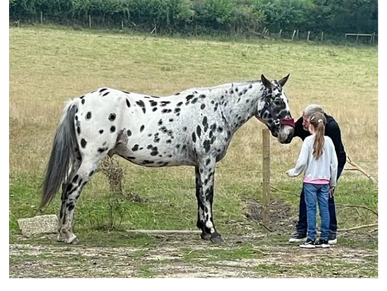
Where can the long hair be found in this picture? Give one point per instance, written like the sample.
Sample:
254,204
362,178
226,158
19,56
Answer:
318,121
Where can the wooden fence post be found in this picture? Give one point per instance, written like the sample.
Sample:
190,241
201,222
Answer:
322,35
294,33
279,34
307,38
265,175
41,17
89,21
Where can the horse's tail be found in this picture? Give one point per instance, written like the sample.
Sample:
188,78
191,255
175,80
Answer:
61,154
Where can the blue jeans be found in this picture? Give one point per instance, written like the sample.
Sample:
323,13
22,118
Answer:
302,221
317,193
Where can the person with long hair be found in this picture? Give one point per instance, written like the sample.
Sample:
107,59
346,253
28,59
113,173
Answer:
318,161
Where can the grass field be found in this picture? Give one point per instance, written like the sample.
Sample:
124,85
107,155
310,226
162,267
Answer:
48,66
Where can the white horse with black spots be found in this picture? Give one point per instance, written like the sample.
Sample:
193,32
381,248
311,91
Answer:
191,128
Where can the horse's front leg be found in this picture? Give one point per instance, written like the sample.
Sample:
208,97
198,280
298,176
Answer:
205,174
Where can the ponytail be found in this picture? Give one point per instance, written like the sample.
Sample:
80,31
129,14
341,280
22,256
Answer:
318,121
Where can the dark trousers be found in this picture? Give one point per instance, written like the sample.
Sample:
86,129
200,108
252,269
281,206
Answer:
302,224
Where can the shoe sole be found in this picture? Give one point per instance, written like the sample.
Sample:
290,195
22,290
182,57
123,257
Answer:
307,246
296,240
322,246
332,242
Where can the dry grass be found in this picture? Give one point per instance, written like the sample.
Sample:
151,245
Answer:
48,66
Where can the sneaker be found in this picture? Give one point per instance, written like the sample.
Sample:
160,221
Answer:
332,240
322,243
298,237
309,244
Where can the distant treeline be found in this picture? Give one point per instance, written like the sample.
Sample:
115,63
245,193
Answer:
200,17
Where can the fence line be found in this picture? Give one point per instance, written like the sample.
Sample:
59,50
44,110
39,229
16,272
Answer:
370,35
264,34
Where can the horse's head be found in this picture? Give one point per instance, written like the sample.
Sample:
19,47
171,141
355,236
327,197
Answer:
274,111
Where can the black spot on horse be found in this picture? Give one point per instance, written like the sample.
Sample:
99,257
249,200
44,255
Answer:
160,122
166,110
169,141
199,131
128,132
135,148
154,109
88,115
208,161
83,143
194,100
205,123
105,94
184,128
189,97
70,206
101,131
127,103
101,150
83,101
142,105
193,137
220,129
152,103
202,96
103,89
147,162
126,92
112,116
178,146
75,179
171,120
164,103
177,110
154,151
142,128
206,145
112,129
202,106
78,130
91,173
179,104
163,129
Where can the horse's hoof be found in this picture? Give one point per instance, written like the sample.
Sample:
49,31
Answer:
72,240
61,238
205,236
75,241
216,238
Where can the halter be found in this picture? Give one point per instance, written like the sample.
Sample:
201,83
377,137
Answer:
276,122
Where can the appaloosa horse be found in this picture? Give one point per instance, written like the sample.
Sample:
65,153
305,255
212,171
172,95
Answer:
192,128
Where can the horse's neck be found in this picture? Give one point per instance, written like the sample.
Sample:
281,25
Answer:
242,104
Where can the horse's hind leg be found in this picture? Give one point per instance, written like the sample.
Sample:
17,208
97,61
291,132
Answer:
76,163
70,196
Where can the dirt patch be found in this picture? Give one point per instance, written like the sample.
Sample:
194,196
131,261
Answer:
246,253
188,258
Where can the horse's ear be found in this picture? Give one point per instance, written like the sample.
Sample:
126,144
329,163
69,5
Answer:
266,82
283,81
